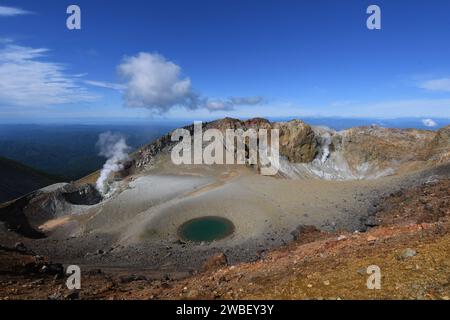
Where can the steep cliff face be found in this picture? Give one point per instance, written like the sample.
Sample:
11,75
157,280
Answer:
370,152
298,142
383,147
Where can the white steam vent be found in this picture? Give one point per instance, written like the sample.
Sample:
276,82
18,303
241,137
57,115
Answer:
114,147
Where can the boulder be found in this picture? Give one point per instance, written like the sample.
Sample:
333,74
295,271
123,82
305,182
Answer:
408,253
215,262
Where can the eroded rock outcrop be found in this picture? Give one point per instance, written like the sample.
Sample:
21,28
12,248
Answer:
298,141
384,147
440,145
356,153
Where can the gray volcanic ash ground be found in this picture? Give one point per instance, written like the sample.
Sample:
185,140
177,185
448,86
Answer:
332,180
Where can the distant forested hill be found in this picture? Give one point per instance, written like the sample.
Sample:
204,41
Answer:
17,179
69,151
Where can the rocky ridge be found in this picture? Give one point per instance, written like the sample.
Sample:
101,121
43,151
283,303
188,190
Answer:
308,151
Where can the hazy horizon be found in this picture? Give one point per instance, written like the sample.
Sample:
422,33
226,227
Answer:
332,122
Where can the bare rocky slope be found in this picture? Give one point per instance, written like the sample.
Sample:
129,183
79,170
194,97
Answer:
359,152
334,193
411,246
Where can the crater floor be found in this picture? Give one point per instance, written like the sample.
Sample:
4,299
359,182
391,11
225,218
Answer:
138,226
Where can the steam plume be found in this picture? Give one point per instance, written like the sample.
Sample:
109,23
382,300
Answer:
114,148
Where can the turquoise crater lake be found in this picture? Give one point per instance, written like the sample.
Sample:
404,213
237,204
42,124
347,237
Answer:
206,229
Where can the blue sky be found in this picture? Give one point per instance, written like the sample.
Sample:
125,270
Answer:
208,59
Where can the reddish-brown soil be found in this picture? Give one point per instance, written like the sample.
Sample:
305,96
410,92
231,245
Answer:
317,266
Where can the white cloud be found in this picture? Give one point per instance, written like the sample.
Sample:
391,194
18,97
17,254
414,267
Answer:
429,122
5,40
12,11
155,83
442,85
107,85
218,105
229,104
27,80
246,101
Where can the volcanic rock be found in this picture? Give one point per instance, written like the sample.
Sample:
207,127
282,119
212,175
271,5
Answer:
86,194
440,146
297,141
408,253
214,262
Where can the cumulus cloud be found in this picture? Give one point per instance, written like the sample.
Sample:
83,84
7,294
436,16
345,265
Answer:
12,11
429,123
153,82
26,79
442,85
